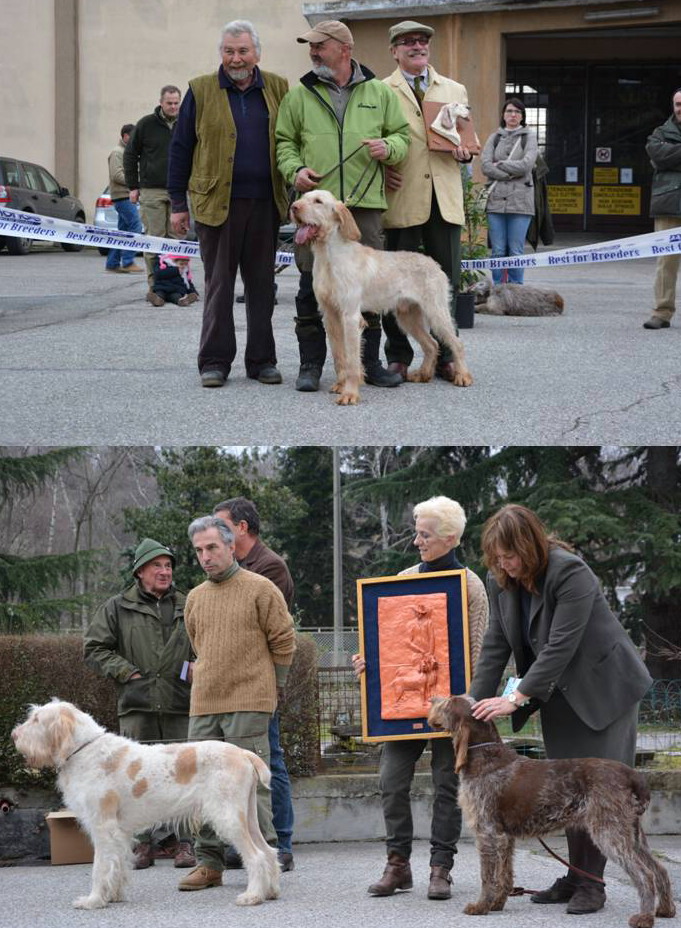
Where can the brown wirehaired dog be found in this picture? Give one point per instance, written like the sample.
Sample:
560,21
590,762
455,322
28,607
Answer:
350,278
516,300
505,796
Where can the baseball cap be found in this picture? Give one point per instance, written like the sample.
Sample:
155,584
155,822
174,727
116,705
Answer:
329,29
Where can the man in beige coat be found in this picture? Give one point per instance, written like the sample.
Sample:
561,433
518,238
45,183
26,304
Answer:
425,195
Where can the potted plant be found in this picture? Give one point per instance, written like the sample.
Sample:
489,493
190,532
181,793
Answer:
473,245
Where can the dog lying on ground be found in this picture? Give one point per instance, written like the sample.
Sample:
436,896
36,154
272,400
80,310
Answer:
505,796
350,278
516,300
116,787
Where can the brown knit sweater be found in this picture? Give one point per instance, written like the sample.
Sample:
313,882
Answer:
239,629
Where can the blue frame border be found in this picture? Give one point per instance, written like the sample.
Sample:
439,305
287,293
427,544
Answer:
451,582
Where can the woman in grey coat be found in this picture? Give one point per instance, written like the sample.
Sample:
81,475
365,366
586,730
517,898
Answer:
575,663
507,161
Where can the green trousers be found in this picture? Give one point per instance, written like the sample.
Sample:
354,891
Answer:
153,727
247,730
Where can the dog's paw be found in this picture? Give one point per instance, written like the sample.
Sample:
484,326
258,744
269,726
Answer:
476,908
666,911
642,920
462,379
249,899
89,902
348,399
419,376
338,387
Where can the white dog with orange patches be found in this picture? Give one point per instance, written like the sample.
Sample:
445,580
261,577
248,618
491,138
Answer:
116,787
349,278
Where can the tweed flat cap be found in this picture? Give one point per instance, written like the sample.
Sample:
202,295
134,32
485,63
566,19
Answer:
408,25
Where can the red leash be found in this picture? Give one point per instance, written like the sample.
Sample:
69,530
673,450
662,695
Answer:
519,891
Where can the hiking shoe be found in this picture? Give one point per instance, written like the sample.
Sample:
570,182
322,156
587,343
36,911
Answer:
200,878
187,299
155,299
588,897
655,322
378,376
131,269
286,863
143,857
562,891
213,379
269,374
185,855
308,378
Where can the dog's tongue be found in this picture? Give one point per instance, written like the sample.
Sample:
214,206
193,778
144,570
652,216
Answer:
304,234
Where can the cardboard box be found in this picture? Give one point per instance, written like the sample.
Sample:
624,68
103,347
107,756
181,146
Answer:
68,843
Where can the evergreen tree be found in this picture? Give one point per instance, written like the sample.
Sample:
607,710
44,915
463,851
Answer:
191,481
31,588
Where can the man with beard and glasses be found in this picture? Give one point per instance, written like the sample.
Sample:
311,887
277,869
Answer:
425,193
222,160
339,111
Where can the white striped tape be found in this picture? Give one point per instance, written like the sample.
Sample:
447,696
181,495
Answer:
43,228
30,225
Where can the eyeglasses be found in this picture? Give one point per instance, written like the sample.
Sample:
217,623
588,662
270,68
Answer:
416,40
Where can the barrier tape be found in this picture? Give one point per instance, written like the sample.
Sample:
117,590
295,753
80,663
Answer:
30,225
17,224
648,245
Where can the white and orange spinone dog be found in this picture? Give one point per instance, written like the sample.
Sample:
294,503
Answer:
116,787
349,278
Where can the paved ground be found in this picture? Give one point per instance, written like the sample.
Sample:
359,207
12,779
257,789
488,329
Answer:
328,887
84,360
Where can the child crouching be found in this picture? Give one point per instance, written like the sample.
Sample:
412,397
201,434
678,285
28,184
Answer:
172,282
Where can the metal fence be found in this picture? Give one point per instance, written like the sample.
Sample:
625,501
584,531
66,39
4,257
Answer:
340,724
334,652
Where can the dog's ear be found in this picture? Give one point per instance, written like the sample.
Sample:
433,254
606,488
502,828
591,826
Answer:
461,744
61,731
348,226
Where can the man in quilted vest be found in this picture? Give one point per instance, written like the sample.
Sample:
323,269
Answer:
222,164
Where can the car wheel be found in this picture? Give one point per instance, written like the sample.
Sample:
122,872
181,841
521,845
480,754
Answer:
72,247
19,246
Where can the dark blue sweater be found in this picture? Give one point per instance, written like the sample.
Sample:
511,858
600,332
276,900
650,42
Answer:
252,176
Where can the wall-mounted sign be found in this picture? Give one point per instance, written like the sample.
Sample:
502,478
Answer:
571,175
606,176
603,155
616,201
626,175
566,200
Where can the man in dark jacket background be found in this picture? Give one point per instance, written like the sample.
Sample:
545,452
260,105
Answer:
145,162
138,639
664,150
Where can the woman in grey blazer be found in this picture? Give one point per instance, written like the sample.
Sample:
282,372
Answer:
575,664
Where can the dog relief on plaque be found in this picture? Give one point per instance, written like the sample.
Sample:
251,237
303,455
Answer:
413,642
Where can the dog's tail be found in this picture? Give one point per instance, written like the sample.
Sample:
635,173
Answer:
560,302
641,792
261,769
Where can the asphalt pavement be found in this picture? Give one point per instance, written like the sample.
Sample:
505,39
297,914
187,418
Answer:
327,887
85,360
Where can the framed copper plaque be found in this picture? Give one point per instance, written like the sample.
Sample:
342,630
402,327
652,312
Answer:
413,636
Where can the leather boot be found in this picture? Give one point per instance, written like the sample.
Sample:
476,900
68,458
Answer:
143,856
308,378
397,875
589,896
374,372
562,891
312,347
185,855
440,886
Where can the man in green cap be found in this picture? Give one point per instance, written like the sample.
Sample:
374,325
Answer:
138,639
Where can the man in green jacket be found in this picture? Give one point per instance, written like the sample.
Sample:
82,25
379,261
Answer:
664,151
335,131
222,160
138,639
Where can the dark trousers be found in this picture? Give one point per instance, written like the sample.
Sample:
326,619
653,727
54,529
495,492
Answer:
396,773
309,324
245,242
440,240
